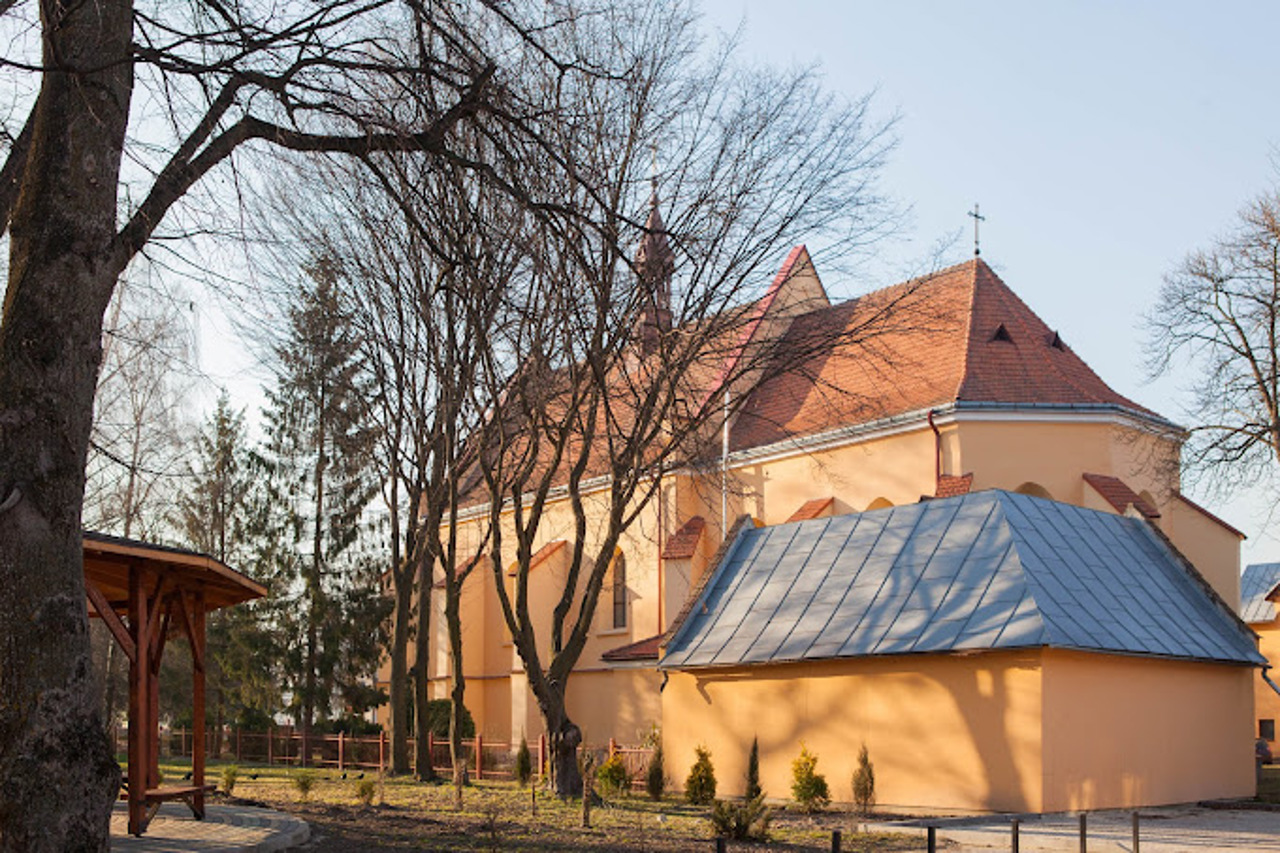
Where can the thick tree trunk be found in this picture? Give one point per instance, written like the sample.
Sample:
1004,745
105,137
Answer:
458,694
563,739
57,774
421,670
400,620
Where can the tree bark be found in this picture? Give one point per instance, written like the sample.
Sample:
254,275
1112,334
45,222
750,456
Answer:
458,694
58,776
400,621
421,670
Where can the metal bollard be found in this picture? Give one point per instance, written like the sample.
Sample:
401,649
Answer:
835,841
1084,843
1135,832
1015,835
932,839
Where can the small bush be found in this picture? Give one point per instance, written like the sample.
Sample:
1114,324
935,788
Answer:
864,783
303,782
700,787
655,779
365,790
753,772
524,763
439,712
747,820
808,786
230,773
613,777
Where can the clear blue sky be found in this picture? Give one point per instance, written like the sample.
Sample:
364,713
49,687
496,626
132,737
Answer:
1102,140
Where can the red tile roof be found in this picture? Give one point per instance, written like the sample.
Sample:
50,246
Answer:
918,345
684,542
1119,495
646,649
1195,506
951,485
811,509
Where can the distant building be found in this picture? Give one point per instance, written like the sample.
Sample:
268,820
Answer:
1259,594
982,396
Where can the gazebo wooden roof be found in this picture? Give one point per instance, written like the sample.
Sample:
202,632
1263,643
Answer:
145,593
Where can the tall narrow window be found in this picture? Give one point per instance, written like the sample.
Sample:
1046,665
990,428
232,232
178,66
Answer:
1267,729
620,591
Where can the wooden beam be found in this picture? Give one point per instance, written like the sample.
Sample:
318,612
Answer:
161,637
139,704
189,622
197,704
111,619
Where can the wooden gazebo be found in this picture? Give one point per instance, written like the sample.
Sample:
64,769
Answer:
146,593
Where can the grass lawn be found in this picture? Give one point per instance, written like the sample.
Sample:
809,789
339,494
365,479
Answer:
408,815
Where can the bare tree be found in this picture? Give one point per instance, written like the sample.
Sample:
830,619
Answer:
1219,311
605,374
291,75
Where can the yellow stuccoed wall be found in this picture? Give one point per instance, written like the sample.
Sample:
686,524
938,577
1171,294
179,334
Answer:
1266,701
1123,731
943,732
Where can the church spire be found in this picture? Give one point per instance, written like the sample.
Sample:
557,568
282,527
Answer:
655,263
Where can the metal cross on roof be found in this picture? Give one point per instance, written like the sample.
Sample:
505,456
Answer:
977,218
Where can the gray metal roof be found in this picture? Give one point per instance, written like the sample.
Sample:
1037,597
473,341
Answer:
1255,584
987,570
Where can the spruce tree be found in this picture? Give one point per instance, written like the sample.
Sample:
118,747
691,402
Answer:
753,771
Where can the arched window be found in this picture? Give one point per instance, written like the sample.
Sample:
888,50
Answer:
619,590
1035,490
880,503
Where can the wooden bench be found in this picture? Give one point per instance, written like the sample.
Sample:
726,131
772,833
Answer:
192,795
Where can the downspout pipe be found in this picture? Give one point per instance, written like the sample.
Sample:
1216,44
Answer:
937,452
1267,679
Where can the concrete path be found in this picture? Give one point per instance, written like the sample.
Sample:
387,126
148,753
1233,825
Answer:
225,829
1173,829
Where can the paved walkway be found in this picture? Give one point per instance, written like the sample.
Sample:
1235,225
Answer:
225,829
1173,829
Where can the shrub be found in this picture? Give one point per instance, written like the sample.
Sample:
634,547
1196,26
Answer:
753,772
613,776
808,786
365,789
747,820
864,783
524,763
230,773
438,713
655,779
303,782
700,787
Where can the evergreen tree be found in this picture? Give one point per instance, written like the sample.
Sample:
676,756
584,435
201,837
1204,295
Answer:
318,460
753,771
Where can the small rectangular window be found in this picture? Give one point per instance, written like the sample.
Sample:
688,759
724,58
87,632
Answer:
619,591
1267,729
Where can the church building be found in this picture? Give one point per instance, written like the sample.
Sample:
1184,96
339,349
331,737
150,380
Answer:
954,543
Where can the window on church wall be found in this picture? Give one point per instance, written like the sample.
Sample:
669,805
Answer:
1035,490
1267,729
620,591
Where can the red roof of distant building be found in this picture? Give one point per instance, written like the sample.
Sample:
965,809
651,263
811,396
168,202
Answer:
811,509
1119,495
684,542
646,649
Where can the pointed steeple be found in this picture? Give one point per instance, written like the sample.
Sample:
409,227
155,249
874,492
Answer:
655,263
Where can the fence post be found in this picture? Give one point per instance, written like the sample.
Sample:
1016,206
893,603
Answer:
613,747
1084,834
341,750
271,745
1135,832
1015,835
479,756
382,749
238,744
431,750
931,839
542,755
835,841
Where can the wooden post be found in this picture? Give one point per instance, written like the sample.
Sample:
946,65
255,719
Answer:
382,750
1084,834
613,747
931,839
341,757
139,704
721,845
431,749
1016,842
197,627
479,756
542,755
238,758
1135,832
835,841
271,745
